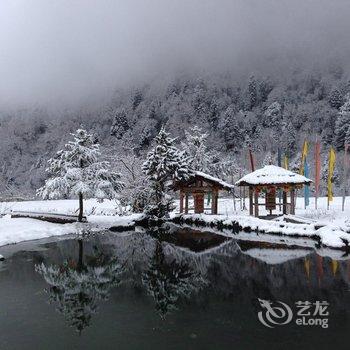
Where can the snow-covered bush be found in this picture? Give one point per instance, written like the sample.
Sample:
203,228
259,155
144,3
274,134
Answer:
136,193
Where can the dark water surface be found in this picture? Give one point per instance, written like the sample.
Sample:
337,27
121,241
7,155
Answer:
166,290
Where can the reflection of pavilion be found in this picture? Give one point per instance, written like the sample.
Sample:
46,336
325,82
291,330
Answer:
77,287
276,256
197,241
196,248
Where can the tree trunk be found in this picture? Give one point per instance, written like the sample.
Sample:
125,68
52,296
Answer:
81,208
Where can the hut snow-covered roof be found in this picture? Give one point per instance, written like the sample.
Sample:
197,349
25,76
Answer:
272,175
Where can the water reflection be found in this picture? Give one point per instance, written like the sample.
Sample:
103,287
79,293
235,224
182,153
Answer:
169,281
172,279
76,287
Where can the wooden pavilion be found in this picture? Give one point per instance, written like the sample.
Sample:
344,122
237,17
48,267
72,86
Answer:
270,180
197,186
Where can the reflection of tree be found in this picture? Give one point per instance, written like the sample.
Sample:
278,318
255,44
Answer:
168,282
77,288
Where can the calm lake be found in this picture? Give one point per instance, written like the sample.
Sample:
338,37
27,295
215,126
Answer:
173,288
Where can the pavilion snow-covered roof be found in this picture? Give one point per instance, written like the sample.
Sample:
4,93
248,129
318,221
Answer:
208,178
214,179
272,175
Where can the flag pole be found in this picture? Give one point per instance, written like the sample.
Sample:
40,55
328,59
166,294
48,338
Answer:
345,174
331,164
251,159
302,164
279,163
306,187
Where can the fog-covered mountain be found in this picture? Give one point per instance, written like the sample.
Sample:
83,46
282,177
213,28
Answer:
264,74
264,112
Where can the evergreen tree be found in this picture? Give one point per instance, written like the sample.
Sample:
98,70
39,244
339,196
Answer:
264,88
164,164
335,98
120,124
77,171
231,129
273,114
195,147
342,125
251,93
289,139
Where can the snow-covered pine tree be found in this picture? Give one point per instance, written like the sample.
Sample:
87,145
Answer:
268,159
342,125
195,147
120,124
289,139
273,114
77,171
164,165
251,94
232,128
336,98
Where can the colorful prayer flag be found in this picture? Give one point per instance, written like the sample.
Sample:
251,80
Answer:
303,157
285,161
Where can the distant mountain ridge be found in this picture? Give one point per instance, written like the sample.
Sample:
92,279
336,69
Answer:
265,113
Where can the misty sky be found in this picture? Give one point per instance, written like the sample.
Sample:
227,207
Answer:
66,51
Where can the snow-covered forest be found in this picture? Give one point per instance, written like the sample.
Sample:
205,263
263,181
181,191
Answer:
263,111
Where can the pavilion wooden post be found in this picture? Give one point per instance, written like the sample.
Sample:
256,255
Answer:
181,201
256,204
292,201
284,202
214,202
250,201
186,203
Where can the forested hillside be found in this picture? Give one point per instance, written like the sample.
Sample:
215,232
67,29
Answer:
255,110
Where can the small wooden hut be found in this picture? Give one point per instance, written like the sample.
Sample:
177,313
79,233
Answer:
270,180
197,186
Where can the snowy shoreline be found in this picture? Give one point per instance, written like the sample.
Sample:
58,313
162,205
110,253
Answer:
332,236
335,232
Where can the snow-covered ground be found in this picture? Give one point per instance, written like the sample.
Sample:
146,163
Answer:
333,215
19,230
67,206
100,216
103,215
336,222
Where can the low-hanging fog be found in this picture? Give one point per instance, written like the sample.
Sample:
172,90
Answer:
264,74
67,52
